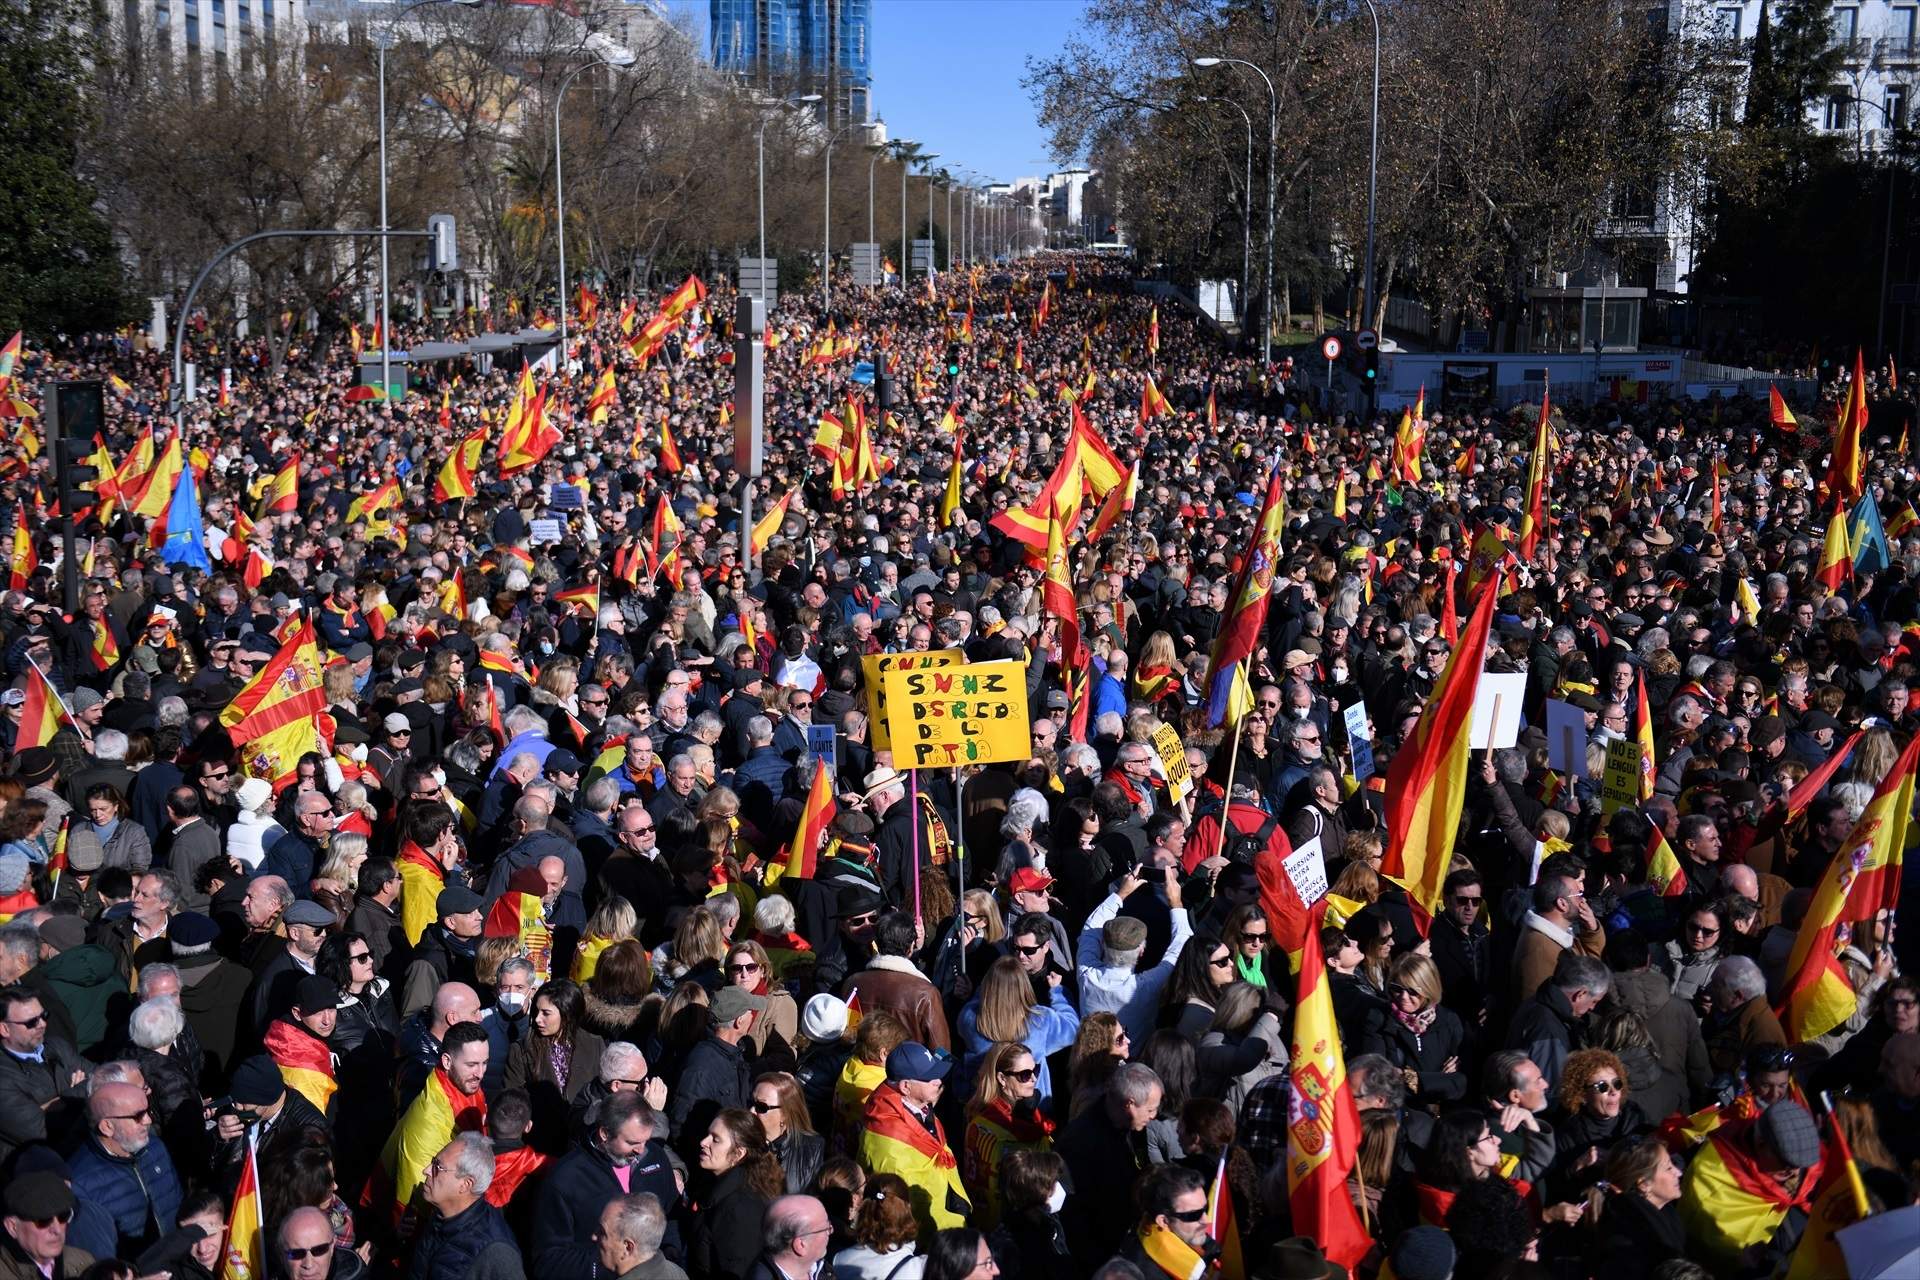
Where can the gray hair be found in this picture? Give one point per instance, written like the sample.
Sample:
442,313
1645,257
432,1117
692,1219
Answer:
1511,764
109,745
171,710
1108,724
150,976
620,1058
531,811
773,914
517,964
1741,976
523,720
1855,796
544,790
22,941
1133,1082
725,908
786,1219
1380,1080
1575,971
1082,757
639,1218
473,1159
118,1072
155,1024
759,731
1027,810
601,796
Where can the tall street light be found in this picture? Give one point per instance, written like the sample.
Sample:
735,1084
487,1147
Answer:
1273,148
826,242
900,154
382,42
760,158
614,59
1246,208
950,222
874,152
928,160
1373,172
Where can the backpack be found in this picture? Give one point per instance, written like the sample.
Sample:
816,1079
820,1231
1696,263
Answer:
1245,846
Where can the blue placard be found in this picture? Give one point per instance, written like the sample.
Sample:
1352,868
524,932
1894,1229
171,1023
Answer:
823,741
566,497
863,372
1356,717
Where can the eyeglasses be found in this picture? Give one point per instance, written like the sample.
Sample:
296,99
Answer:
399,733
749,967
1221,962
1315,738
762,1108
1033,950
211,776
1025,1075
1703,930
865,917
143,1115
38,1019
1257,939
798,705
311,1251
1395,990
1468,900
63,1217
1189,1215
358,956
1605,1086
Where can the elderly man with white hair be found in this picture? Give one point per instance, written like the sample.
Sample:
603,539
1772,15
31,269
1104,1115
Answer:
464,1237
1738,1018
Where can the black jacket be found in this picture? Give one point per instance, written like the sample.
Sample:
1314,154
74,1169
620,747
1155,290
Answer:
714,1077
1426,1053
800,1156
1030,1246
1104,1161
578,1187
724,1241
1465,961
1635,1237
1545,1028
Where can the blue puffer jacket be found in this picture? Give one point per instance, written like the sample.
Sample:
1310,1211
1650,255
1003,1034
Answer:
141,1192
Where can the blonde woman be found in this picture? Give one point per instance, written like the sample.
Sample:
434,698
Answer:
1005,1010
776,1027
333,888
1002,1116
614,920
1416,1034
1242,1047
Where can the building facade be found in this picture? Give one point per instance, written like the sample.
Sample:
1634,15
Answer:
814,46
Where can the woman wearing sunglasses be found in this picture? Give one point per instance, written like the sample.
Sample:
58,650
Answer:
1003,1116
1597,1117
1416,1034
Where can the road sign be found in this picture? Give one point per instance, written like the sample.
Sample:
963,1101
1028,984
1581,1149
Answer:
760,278
1366,339
865,260
1330,347
920,257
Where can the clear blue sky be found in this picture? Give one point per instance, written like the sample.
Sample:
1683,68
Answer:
946,73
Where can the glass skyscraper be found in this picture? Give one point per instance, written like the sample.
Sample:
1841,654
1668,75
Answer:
811,46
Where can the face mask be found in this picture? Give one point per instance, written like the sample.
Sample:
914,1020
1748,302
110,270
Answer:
1339,675
546,650
1299,713
512,1002
1058,1199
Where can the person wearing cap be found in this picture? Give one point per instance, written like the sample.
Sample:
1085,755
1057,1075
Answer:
393,752
1108,956
716,1075
254,828
39,771
298,1042
307,924
894,839
124,1167
82,976
446,950
901,1135
37,1208
1750,1181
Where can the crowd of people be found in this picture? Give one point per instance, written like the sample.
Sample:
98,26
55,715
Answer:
521,968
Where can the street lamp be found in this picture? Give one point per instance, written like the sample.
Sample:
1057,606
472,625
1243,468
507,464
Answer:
928,160
1246,209
900,154
1273,148
760,153
615,58
874,152
381,43
826,242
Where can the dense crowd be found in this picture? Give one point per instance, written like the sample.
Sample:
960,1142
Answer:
520,969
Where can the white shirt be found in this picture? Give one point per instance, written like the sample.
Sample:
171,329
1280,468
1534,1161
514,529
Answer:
1132,997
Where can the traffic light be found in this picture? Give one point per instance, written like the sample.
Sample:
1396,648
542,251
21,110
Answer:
443,249
1370,366
953,359
73,477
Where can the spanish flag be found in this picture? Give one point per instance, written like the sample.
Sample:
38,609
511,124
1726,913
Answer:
1152,403
103,650
1778,413
1534,519
156,487
605,396
42,714
274,718
1643,734
1809,788
25,559
1840,1200
429,1124
1902,521
828,436
456,478
1228,694
950,501
305,1062
691,291
803,853
1323,1140
1843,471
1729,1202
1094,468
283,494
519,914
1427,781
1748,602
1153,331
768,525
1836,554
1664,872
244,1255
1862,880
895,1141
369,505
586,597
669,452
1057,598
1221,1226
1119,501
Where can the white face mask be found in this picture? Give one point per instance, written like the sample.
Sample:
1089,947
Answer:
512,1002
1058,1199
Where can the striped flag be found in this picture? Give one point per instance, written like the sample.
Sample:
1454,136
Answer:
305,1062
1228,695
1323,1139
244,1256
1862,880
769,524
1843,483
274,717
1152,403
1664,872
24,558
42,714
1836,554
520,915
804,853
1778,413
1808,789
1426,783
283,494
1221,1226
1643,734
1533,521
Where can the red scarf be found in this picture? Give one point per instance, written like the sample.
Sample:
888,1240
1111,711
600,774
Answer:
1031,1128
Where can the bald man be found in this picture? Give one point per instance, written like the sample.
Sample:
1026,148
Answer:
126,1169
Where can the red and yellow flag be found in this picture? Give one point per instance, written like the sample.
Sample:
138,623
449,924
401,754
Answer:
1152,403
104,650
1534,519
369,505
1862,881
244,1255
1427,781
24,559
1808,789
803,853
456,478
274,718
1843,484
1323,1140
1229,694
305,1062
1643,734
605,396
669,452
1778,413
1664,872
678,302
156,492
585,598
1836,554
42,714
283,494
768,525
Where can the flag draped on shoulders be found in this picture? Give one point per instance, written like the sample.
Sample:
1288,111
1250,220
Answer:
439,1112
893,1140
305,1062
1729,1202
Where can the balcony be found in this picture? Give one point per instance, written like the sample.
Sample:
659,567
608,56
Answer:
1902,51
1633,227
1853,49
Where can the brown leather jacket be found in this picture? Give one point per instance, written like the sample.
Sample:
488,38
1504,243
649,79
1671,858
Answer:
894,984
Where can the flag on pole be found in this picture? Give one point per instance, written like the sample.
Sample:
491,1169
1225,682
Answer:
25,559
1778,413
456,478
768,525
1228,697
1664,871
43,712
1862,880
1152,403
803,854
669,452
1534,519
273,717
1323,1136
1843,484
186,542
1871,554
1836,554
283,493
244,1256
1427,781
1643,734
950,502
1221,1226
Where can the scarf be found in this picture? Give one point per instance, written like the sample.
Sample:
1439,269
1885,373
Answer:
1027,1126
1173,1256
1249,972
105,830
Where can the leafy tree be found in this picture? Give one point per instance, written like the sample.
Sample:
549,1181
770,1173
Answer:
59,267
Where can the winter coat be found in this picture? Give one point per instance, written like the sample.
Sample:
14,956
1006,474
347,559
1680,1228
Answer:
714,1077
800,1156
93,991
562,1246
1544,1028
141,1192
250,836
474,1244
725,1239
1426,1052
894,984
1677,1041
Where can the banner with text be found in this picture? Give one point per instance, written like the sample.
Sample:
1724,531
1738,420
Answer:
873,671
944,717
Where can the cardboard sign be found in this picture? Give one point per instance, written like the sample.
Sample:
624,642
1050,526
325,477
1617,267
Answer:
1307,868
1173,759
823,741
975,713
873,670
541,532
1357,741
1502,693
1620,785
1566,739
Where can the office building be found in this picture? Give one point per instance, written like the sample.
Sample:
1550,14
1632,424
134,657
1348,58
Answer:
800,46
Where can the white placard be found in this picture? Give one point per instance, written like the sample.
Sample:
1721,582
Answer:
543,531
1508,690
1308,871
1566,739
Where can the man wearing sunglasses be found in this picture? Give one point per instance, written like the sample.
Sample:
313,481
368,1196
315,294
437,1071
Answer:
1173,1222
38,1207
41,1076
125,1169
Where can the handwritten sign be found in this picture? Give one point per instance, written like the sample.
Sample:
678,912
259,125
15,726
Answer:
975,713
873,670
1307,868
1358,741
1173,759
823,741
1620,785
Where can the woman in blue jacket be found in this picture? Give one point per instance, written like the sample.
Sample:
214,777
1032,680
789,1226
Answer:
1005,1010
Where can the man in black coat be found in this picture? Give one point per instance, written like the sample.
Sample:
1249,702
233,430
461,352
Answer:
716,1074
1461,950
1105,1148
1546,1028
629,1135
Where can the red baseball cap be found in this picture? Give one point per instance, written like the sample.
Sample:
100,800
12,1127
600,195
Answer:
1030,880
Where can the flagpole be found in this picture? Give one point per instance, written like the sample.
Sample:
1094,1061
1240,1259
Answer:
51,688
913,827
1233,764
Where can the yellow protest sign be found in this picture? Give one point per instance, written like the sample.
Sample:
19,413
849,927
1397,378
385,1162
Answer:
975,713
1173,756
873,670
1620,784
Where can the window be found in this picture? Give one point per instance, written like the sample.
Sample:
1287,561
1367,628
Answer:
193,25
245,13
266,16
1901,25
1896,104
1726,25
1846,24
1839,112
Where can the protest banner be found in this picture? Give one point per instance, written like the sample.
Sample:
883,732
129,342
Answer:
1173,759
943,717
873,670
1620,785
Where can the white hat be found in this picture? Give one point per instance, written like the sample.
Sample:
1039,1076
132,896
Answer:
397,723
883,777
253,794
824,1018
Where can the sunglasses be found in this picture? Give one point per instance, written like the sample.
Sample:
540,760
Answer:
357,957
762,1108
1025,1075
63,1217
1034,950
1255,939
1189,1215
1395,990
1605,1086
313,1251
743,968
1222,962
